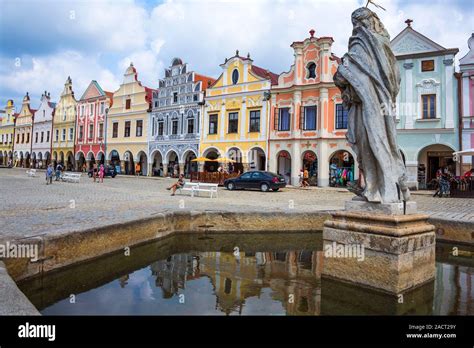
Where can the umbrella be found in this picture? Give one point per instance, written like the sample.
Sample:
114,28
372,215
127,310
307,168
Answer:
203,159
468,152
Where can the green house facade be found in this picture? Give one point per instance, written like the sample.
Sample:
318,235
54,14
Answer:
427,111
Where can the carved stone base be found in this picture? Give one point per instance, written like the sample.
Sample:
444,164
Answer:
398,250
383,208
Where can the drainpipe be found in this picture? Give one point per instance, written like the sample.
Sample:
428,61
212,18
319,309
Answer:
460,114
105,135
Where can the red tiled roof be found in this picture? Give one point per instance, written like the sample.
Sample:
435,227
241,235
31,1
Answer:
206,80
266,74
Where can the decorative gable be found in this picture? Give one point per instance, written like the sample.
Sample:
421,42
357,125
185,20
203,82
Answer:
92,91
410,41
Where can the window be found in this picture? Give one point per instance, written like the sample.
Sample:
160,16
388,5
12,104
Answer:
427,65
42,136
48,134
175,97
115,130
102,108
160,127
309,117
81,132
82,110
284,119
233,126
64,115
195,97
191,126
254,121
246,176
18,138
27,138
128,102
101,130
139,131
91,109
91,131
174,127
71,133
127,129
63,138
235,76
212,124
44,114
311,70
36,137
22,138
429,106
341,116
57,135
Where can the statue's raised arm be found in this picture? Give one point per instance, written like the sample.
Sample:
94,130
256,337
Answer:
369,81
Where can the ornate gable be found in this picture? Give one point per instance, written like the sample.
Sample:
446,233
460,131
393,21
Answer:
410,41
93,91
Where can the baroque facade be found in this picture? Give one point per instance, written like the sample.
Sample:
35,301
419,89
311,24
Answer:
466,88
23,137
91,119
127,124
7,133
427,114
174,130
308,122
64,122
236,115
42,131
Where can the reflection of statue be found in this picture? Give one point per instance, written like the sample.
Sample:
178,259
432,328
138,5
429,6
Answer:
369,81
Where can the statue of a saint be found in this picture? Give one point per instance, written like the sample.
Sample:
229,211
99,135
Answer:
369,81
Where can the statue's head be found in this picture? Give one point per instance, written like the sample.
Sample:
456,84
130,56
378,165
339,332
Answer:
368,19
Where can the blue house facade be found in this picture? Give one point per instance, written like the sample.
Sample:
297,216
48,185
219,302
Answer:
427,106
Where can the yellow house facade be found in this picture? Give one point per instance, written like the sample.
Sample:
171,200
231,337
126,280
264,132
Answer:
64,122
127,125
236,115
7,133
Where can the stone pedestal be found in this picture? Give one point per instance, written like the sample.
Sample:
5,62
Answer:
365,245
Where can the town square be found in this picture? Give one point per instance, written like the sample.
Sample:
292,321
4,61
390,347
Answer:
322,170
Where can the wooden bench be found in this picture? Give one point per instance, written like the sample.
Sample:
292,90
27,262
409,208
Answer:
31,172
205,187
188,186
71,177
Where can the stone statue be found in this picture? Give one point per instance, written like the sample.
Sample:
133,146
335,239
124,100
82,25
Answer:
369,81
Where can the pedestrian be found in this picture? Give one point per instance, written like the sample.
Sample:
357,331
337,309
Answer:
94,172
101,173
49,174
179,184
59,168
175,170
137,169
305,178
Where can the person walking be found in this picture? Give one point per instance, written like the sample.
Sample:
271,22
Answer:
137,169
59,168
179,184
49,174
94,172
305,177
101,173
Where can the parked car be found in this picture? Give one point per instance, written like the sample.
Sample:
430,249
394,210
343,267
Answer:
261,180
108,171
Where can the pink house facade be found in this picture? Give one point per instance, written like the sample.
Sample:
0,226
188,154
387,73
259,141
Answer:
466,86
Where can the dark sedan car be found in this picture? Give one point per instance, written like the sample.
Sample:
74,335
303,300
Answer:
261,180
108,171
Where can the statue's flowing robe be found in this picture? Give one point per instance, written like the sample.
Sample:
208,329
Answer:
369,80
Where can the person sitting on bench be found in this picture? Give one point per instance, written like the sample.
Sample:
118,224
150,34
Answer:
179,184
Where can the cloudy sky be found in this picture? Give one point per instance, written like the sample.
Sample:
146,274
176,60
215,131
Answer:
44,41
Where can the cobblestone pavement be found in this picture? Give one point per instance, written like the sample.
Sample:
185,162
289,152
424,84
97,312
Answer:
30,207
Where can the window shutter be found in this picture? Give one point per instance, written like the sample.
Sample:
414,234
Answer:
275,118
301,117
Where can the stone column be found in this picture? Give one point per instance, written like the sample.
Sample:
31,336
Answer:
165,169
149,169
323,164
181,168
296,163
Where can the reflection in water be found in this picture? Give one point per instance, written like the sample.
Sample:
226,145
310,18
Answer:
269,275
